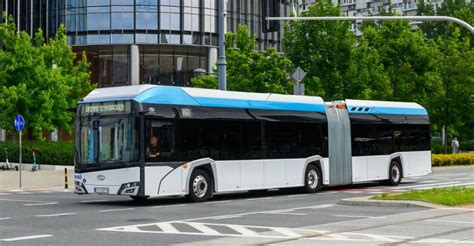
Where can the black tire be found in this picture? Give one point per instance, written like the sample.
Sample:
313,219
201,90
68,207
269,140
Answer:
312,179
200,186
16,168
139,198
394,173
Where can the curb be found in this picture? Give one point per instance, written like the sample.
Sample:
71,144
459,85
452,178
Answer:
367,201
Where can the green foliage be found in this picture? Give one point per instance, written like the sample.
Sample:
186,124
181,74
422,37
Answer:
461,9
251,70
451,196
42,81
55,153
325,50
439,160
389,61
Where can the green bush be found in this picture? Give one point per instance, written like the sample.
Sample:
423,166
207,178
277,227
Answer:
55,153
439,160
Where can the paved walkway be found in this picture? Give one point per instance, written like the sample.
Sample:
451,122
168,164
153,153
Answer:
40,180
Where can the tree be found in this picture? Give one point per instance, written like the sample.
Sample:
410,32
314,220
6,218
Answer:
453,109
461,9
251,70
324,49
42,81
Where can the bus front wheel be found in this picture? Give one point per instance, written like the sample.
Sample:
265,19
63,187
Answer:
394,173
313,179
200,186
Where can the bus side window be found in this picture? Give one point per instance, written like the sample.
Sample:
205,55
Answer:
164,132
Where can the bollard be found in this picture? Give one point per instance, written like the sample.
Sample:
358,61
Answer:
65,179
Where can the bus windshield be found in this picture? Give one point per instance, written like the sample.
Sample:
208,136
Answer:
107,141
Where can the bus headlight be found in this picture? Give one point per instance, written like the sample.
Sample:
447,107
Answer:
129,188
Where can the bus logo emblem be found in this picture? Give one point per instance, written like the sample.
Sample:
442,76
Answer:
100,177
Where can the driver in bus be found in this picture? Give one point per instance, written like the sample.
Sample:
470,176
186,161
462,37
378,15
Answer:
153,149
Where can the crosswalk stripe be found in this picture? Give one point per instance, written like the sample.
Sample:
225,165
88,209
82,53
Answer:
242,230
286,232
167,227
444,186
203,228
423,185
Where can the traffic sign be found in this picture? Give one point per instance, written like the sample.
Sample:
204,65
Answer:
19,122
299,74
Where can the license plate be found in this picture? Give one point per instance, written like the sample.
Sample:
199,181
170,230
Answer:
101,190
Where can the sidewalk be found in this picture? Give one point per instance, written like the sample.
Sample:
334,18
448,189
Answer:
43,179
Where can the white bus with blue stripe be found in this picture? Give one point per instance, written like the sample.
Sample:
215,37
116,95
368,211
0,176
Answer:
150,141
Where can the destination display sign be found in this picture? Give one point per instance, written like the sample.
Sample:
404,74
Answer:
106,108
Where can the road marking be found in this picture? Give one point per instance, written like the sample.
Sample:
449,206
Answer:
444,186
40,204
204,229
242,230
168,206
115,210
301,195
168,228
54,215
88,201
359,216
18,200
5,218
257,199
452,221
25,238
423,185
217,202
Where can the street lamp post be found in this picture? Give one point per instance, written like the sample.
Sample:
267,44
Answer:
222,64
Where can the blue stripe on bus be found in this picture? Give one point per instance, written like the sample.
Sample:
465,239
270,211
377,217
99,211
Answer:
387,110
168,95
253,104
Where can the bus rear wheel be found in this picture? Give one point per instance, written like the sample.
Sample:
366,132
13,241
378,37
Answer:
394,173
313,180
200,186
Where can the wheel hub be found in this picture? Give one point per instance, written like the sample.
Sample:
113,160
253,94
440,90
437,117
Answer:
200,186
313,179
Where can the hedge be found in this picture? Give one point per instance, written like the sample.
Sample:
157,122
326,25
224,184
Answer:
439,160
55,153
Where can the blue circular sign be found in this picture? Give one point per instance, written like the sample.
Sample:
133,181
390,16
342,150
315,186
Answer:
19,122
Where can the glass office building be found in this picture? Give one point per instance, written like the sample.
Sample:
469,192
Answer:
146,41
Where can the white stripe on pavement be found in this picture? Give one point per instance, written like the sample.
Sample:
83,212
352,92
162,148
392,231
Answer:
416,186
242,230
452,221
21,200
115,210
167,227
444,186
54,215
87,201
25,238
257,199
40,204
5,218
359,216
203,228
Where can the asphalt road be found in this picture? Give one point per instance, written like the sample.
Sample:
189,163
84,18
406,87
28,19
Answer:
276,217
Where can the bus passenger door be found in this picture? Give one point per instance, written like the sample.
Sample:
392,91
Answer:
339,143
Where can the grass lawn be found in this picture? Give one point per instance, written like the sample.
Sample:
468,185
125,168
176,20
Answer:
450,196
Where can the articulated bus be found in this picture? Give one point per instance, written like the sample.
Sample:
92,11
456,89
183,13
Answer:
150,141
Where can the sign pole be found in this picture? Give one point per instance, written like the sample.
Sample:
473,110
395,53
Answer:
19,124
20,158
